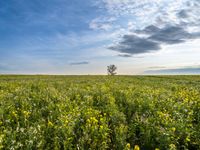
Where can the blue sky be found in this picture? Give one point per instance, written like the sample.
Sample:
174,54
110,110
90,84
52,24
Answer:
84,36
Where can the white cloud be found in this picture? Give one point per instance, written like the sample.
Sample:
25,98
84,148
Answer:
102,23
146,12
134,15
131,25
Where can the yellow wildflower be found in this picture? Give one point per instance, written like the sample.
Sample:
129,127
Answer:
128,145
136,147
173,129
14,114
172,147
50,123
26,113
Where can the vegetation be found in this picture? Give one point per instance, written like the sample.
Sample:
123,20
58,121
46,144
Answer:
111,69
100,112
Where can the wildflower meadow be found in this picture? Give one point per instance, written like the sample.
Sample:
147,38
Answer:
100,112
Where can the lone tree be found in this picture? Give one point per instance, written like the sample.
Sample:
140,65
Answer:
112,70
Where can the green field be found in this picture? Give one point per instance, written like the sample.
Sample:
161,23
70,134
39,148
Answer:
100,112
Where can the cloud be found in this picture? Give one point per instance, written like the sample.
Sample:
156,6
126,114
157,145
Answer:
132,44
102,23
131,25
149,9
174,71
153,23
187,69
79,63
171,35
183,14
136,43
148,30
124,55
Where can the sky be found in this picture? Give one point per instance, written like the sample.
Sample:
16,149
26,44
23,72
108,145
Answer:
85,36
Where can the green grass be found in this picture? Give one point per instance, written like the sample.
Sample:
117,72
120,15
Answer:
100,112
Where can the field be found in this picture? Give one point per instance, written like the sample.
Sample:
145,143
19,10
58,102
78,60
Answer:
100,112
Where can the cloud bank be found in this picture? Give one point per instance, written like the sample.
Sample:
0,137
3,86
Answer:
195,71
152,24
153,40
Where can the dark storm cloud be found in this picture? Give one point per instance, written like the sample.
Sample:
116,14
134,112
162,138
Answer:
154,38
148,30
79,63
171,35
132,44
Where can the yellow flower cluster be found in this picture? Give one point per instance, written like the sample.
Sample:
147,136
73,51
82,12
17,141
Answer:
136,147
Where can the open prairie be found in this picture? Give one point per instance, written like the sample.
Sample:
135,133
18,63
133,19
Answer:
100,112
